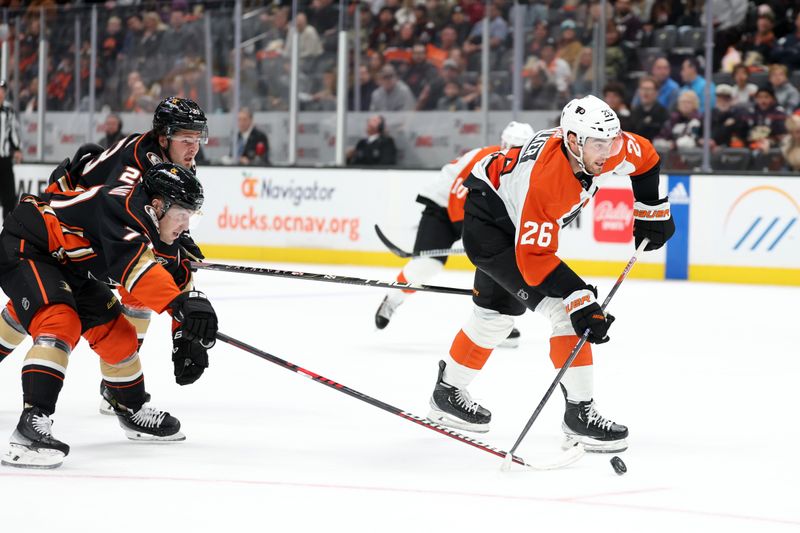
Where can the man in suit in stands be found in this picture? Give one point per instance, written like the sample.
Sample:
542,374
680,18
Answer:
252,146
377,148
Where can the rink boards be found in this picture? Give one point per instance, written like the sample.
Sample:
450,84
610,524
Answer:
743,229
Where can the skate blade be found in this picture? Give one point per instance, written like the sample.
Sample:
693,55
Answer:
443,419
509,343
106,409
593,445
146,437
20,456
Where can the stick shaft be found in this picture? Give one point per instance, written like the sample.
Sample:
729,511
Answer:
399,252
329,278
366,399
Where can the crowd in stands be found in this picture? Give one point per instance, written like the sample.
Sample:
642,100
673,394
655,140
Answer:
421,55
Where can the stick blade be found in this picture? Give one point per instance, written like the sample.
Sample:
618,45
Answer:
507,461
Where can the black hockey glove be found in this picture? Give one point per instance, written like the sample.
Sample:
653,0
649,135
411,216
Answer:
652,220
192,251
197,318
585,313
189,357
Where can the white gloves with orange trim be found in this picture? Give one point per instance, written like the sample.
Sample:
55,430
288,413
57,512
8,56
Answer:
585,313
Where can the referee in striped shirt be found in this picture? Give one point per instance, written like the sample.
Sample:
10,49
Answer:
10,152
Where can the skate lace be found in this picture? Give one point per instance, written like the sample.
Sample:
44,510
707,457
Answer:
465,400
594,418
42,424
149,417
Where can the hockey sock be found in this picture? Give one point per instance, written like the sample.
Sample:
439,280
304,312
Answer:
125,380
579,377
419,270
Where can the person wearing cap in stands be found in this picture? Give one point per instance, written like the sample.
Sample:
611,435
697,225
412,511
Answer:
728,128
10,151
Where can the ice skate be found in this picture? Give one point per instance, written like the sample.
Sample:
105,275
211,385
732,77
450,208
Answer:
146,424
387,308
105,407
582,423
455,408
32,444
512,341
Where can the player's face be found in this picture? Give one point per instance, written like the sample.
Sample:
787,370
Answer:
175,221
183,147
597,151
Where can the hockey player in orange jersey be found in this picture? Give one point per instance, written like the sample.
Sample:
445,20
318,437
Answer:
441,222
518,201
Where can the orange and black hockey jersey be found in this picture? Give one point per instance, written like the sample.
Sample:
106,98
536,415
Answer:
104,233
542,194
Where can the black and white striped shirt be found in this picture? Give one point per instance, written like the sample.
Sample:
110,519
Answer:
9,130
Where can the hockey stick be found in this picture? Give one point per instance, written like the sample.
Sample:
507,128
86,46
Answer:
396,250
330,278
381,405
507,461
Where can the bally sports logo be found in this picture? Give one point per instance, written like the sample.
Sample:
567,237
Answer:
613,215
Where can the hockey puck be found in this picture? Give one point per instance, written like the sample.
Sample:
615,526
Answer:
618,465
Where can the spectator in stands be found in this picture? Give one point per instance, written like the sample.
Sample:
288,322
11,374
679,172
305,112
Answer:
614,96
148,49
627,23
787,94
439,12
252,145
553,69
787,48
323,16
405,38
668,89
133,34
405,15
728,127
498,29
540,36
693,81
472,95
685,126
767,122
451,99
540,92
377,148
419,72
583,73
648,116
763,40
180,37
113,131
743,90
435,90
790,145
392,94
383,33
324,98
309,44
616,61
448,39
664,13
569,47
368,85
460,22
424,27
473,9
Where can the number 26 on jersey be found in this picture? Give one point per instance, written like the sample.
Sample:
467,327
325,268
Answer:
535,233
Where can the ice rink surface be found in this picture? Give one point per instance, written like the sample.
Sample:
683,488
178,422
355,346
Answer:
705,376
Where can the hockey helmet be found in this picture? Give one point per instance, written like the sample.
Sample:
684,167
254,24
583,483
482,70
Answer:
175,113
175,185
591,118
515,134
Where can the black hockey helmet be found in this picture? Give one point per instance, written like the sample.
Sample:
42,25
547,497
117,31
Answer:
175,185
175,113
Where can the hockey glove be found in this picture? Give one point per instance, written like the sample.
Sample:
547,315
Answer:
189,357
197,318
652,220
585,313
190,248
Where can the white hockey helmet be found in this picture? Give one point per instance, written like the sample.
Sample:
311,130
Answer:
515,134
591,118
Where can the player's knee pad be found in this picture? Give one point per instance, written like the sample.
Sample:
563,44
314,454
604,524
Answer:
488,328
553,309
114,341
57,321
11,331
